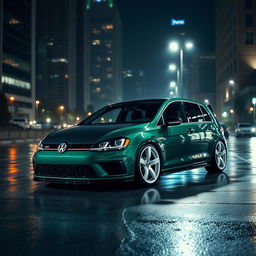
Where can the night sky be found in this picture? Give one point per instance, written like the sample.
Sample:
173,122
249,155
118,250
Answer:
147,31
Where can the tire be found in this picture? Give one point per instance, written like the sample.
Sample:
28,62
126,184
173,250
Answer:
148,165
219,158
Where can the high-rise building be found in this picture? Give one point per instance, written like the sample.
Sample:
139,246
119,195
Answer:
103,54
235,58
17,28
56,53
133,83
202,79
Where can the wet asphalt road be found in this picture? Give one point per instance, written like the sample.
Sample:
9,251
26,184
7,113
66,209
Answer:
186,213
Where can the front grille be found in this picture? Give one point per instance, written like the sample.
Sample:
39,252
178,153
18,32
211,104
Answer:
65,171
113,168
70,147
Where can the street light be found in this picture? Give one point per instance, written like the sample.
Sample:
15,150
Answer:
12,99
175,46
206,101
172,84
37,102
254,109
61,108
172,67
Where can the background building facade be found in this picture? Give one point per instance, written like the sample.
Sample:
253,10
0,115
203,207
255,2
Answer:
103,54
56,53
235,59
17,53
133,84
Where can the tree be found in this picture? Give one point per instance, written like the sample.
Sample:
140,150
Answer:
4,111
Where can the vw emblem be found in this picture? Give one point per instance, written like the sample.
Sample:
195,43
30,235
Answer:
62,147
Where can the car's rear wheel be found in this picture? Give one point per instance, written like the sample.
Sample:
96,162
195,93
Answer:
219,158
148,165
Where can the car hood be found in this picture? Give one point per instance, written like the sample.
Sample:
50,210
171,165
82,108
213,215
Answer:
83,134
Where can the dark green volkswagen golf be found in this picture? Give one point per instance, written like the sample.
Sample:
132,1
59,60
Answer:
133,140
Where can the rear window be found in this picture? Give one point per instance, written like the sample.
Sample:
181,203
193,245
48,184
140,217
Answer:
207,118
193,112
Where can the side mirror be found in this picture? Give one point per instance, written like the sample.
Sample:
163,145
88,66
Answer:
174,121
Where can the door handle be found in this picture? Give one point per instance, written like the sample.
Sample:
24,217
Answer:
190,130
210,129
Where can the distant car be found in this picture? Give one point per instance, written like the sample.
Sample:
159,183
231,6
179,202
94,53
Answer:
225,130
245,129
22,122
133,140
56,126
41,126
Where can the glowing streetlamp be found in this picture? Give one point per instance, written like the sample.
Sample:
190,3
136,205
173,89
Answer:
173,84
77,118
62,108
175,46
172,67
37,102
206,101
12,99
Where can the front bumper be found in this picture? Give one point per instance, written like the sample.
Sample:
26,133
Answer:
83,166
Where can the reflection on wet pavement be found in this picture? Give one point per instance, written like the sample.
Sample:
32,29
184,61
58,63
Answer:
186,213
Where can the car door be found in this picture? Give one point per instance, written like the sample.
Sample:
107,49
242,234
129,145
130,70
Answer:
197,131
210,129
176,137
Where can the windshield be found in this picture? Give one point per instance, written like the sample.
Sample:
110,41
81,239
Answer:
131,112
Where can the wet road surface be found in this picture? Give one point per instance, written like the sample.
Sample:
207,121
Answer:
186,213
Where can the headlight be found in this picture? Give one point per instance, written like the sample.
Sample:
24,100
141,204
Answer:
253,130
40,146
115,144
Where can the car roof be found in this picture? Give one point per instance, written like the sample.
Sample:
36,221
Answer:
159,100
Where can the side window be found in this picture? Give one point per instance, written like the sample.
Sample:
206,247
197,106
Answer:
174,111
109,117
207,117
193,112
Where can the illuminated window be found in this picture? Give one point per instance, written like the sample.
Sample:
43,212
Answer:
108,27
109,59
15,82
66,76
60,60
14,21
54,76
96,42
50,43
109,75
98,89
15,62
95,80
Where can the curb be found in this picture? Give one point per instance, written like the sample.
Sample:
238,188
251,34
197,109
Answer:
5,142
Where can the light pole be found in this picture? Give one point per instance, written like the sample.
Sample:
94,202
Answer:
12,99
254,109
61,108
172,68
174,47
37,102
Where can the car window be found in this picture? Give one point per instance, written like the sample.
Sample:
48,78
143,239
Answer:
174,111
193,112
130,112
207,117
109,117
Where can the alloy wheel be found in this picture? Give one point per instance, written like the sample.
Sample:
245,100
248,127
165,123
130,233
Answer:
149,164
221,155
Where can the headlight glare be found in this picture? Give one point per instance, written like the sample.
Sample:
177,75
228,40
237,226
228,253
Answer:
115,144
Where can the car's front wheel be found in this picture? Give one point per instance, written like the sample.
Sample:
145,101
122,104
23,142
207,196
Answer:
219,158
148,165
